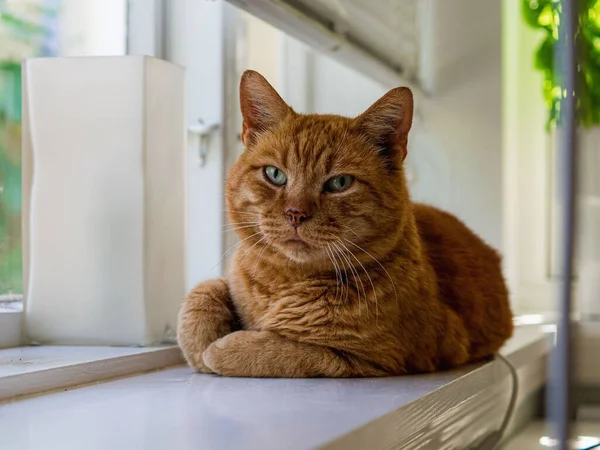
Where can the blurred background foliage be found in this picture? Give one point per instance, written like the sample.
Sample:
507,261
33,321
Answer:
27,29
545,15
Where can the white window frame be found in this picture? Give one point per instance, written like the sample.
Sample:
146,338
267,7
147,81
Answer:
526,170
212,97
530,201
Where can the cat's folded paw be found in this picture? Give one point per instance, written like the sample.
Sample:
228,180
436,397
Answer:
205,316
233,355
196,362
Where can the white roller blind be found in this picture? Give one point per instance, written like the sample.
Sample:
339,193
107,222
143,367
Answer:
378,37
423,44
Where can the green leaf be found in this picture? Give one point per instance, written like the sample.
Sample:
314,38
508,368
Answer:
545,15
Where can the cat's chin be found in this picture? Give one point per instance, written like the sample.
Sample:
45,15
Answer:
297,250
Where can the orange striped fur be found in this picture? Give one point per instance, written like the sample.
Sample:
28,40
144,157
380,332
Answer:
358,282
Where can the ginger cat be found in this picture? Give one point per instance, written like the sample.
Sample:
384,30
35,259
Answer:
338,273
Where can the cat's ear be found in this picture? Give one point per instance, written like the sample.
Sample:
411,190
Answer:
387,123
262,107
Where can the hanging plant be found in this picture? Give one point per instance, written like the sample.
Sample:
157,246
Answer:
545,15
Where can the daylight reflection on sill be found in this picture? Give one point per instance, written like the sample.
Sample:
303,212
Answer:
547,321
10,306
529,319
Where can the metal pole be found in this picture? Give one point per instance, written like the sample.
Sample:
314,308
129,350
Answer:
559,392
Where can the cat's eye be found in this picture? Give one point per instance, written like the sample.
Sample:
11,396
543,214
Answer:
339,183
275,176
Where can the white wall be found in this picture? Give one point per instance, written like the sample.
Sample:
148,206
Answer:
93,27
263,49
456,149
339,90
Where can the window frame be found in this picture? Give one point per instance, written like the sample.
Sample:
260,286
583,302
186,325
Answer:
526,171
11,323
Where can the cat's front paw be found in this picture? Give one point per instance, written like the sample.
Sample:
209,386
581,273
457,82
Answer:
235,355
198,365
206,315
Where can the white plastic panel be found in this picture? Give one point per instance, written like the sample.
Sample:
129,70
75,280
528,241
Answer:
103,199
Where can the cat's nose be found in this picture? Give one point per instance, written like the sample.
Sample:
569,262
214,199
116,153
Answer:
296,216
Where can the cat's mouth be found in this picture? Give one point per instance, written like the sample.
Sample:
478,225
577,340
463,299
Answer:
297,241
296,237
296,246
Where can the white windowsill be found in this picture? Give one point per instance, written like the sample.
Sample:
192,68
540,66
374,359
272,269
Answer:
38,369
176,408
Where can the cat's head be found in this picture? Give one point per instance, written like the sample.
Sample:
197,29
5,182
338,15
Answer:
309,185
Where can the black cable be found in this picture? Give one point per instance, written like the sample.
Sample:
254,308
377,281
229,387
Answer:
510,410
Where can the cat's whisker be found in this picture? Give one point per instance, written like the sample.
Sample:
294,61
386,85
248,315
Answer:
357,276
354,274
380,265
351,231
245,255
372,285
345,258
230,249
235,211
341,263
243,227
239,212
259,257
329,257
338,289
341,278
229,225
254,222
337,273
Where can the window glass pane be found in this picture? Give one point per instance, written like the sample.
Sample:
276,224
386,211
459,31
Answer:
26,29
40,28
